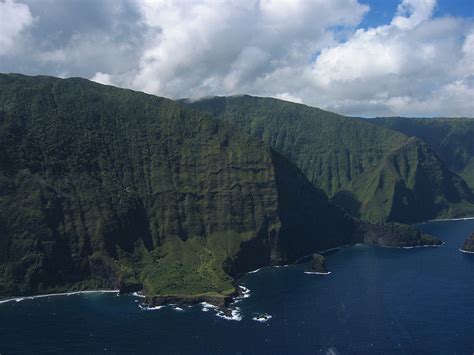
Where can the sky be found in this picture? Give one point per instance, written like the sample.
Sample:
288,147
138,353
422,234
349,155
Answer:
356,57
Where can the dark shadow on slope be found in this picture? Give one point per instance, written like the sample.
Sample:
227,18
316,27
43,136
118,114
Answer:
348,202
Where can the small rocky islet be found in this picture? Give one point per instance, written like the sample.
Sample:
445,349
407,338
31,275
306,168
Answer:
468,246
317,265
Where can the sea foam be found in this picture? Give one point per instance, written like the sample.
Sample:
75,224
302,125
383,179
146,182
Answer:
147,308
263,318
245,292
235,315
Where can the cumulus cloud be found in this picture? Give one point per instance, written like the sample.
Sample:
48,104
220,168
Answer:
298,50
412,12
210,47
416,65
14,19
76,37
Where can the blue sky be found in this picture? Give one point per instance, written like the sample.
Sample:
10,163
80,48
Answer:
381,11
362,58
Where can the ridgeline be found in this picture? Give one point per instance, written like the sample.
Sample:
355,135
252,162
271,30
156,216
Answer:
372,172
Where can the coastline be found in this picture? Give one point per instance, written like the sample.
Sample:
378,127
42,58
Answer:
447,220
22,298
224,305
466,251
223,302
413,247
154,302
220,301
304,257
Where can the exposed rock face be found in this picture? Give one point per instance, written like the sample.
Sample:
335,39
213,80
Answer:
374,173
469,244
318,264
108,188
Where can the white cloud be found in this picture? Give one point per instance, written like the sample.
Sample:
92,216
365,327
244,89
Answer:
288,97
409,66
102,78
411,13
416,65
14,18
308,51
210,47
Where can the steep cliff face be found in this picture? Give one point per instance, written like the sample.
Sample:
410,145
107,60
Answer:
372,172
107,188
102,187
411,184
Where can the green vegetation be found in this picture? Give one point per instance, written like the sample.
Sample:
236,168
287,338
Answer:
451,138
102,187
372,172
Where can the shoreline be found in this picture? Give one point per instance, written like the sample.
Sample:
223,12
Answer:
447,220
466,251
72,293
413,247
303,257
224,302
225,307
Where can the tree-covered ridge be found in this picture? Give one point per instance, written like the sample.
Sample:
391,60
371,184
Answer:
372,172
451,138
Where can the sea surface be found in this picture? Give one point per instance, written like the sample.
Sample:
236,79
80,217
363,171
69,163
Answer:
375,301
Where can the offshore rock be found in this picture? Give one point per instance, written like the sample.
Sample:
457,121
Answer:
468,245
318,264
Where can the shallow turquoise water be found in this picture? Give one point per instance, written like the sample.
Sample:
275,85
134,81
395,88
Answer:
376,300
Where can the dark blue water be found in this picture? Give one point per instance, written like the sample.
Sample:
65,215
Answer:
377,300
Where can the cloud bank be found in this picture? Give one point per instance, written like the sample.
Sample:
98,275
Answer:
299,50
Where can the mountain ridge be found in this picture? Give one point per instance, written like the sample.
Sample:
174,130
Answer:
450,137
348,158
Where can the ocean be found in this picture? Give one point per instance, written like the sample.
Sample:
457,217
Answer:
376,300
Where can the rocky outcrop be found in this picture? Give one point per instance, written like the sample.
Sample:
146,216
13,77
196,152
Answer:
220,301
468,245
318,264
